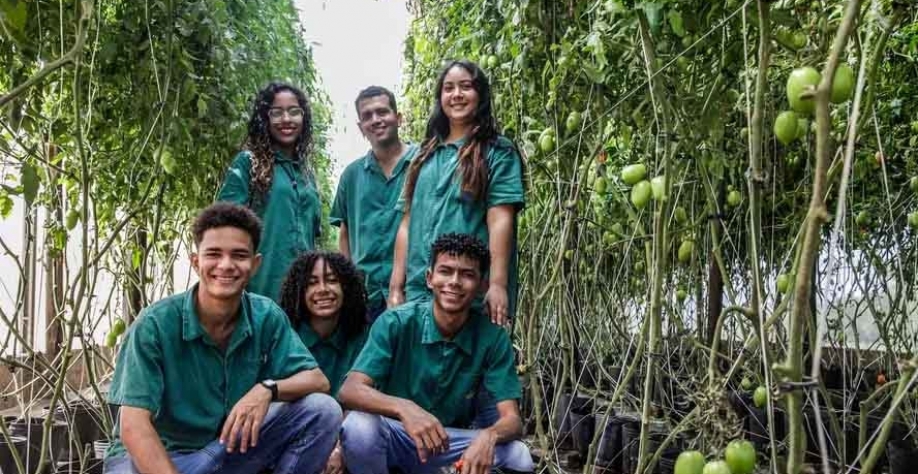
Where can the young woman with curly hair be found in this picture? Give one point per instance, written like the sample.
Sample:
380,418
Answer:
467,178
324,297
273,176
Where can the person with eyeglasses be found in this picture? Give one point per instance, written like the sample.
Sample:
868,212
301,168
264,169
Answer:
273,177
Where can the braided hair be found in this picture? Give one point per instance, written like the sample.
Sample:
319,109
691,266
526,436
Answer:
260,143
352,320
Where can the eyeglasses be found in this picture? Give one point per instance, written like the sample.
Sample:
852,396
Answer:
276,113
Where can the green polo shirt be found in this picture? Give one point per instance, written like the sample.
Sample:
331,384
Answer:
439,207
335,354
291,217
366,202
170,366
407,357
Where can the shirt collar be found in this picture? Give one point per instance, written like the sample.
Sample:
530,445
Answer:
370,163
191,323
431,334
312,339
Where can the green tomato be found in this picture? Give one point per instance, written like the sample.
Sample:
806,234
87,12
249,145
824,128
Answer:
862,219
547,141
568,254
913,184
73,216
680,215
119,327
618,229
640,194
658,184
746,383
686,249
689,462
573,122
786,127
632,174
681,295
799,81
492,62
843,84
760,396
734,198
600,185
111,339
716,467
740,457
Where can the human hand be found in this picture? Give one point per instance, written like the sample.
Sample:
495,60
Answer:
425,429
335,463
244,420
497,303
479,456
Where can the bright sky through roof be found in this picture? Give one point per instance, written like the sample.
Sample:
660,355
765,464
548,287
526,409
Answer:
357,43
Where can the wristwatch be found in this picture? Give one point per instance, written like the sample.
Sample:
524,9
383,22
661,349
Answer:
272,386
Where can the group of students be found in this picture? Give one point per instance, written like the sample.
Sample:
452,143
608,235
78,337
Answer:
388,355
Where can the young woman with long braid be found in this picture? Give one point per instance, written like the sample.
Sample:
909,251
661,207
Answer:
273,177
467,178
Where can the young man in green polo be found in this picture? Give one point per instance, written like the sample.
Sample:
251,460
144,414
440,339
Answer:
413,389
214,379
365,204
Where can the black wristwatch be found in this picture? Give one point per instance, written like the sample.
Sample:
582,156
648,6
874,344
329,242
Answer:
272,386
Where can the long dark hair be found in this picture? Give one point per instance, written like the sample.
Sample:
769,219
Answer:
260,143
473,165
352,319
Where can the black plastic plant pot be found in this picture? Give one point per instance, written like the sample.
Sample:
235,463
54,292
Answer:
85,420
902,456
582,429
569,406
609,448
666,466
18,445
631,438
32,429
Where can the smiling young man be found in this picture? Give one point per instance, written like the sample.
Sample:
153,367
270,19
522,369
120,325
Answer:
365,204
413,388
214,379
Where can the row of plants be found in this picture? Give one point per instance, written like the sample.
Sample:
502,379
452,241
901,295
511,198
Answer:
119,119
720,195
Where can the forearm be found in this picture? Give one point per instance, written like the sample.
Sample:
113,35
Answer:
500,244
507,428
360,397
301,384
397,280
145,448
344,246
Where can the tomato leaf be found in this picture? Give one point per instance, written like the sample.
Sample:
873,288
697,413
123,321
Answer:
675,22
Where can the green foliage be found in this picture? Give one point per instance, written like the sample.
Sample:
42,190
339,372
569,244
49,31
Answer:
144,121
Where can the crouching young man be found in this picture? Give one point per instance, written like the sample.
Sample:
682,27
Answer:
413,388
215,379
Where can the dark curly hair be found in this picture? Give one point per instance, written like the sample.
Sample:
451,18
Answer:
354,309
225,214
260,143
461,245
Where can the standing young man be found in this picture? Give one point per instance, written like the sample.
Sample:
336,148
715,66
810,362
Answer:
215,378
365,204
413,388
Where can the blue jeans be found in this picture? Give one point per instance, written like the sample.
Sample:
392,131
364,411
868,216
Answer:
373,444
296,438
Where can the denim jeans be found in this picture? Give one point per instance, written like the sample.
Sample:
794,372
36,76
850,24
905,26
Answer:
296,438
373,444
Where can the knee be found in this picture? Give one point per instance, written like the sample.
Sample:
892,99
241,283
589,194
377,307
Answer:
515,455
322,408
360,431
